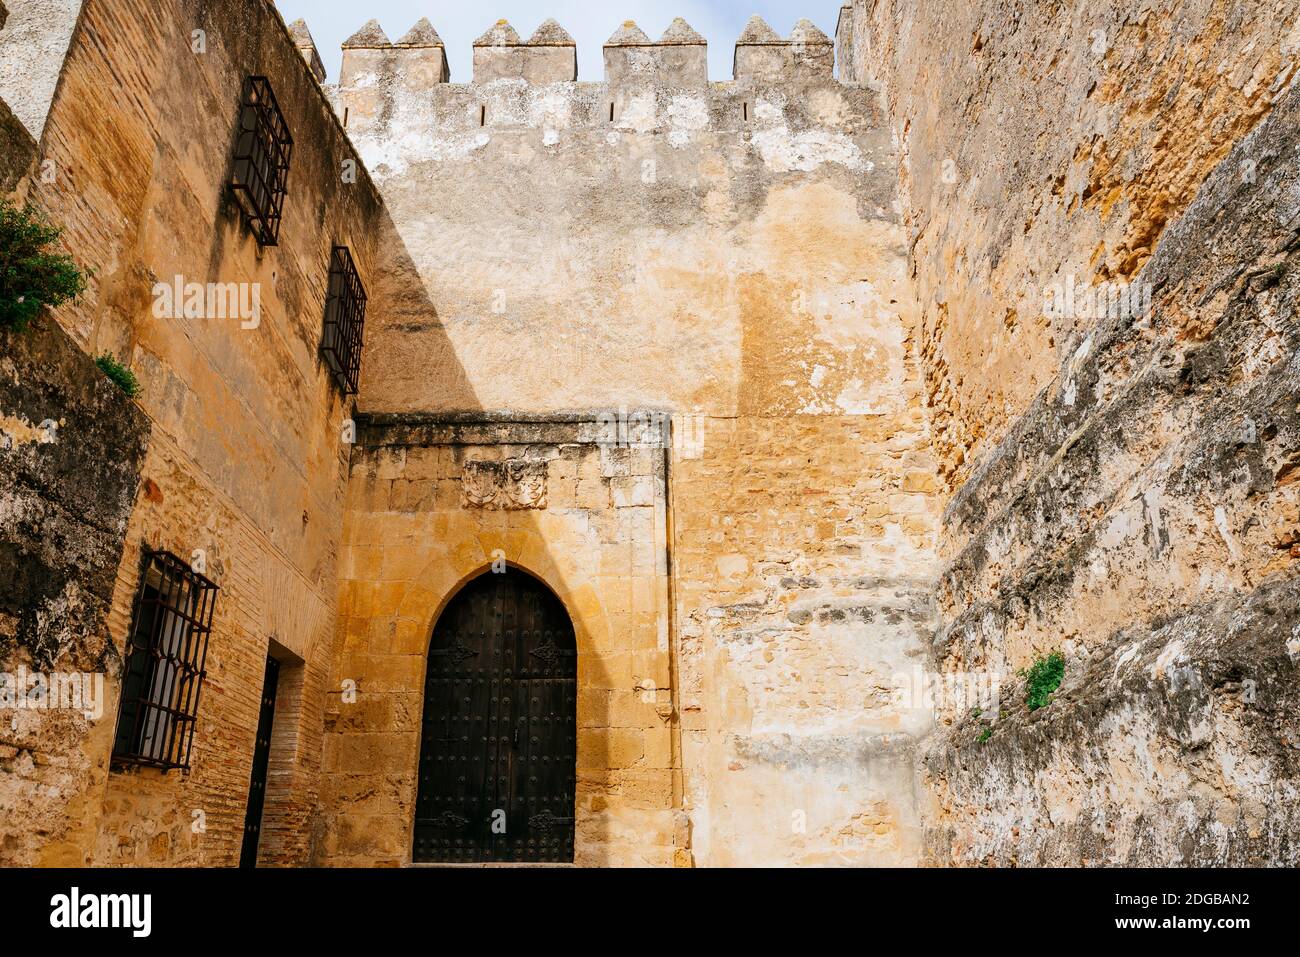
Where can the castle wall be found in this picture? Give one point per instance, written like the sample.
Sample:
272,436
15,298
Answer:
34,38
71,448
881,441
1038,144
433,504
247,460
1122,480
727,253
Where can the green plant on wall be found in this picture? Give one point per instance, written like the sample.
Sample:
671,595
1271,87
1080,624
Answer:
1042,678
32,275
120,374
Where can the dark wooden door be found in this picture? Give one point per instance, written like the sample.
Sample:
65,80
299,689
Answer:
261,758
498,755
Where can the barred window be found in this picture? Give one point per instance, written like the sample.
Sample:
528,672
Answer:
345,317
262,150
165,657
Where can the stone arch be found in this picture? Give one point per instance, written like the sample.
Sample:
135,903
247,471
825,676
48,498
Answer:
445,573
497,765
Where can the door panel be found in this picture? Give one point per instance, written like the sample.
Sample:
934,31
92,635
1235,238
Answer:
261,760
498,750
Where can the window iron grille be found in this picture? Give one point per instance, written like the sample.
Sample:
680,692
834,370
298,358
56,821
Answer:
262,149
164,669
345,319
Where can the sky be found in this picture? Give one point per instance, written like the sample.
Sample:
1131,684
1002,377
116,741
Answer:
591,23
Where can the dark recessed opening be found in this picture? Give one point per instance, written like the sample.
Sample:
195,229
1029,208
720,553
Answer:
482,116
261,162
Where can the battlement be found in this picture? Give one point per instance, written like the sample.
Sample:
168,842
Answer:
417,61
678,59
761,54
549,56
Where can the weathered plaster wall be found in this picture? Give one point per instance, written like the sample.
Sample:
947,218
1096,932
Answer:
730,251
34,40
247,461
1129,498
1039,141
803,563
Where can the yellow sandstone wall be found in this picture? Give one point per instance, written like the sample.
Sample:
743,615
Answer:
246,462
1039,142
727,254
592,526
1121,483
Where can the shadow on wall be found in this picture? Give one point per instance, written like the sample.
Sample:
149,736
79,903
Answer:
410,544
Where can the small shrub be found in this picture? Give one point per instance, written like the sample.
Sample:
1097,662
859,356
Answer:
31,276
120,374
985,735
1043,677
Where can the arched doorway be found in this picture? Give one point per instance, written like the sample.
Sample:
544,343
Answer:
498,753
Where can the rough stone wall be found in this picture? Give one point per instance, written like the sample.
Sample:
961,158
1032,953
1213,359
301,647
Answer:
1040,141
1143,517
71,448
729,252
17,150
247,461
429,509
1132,501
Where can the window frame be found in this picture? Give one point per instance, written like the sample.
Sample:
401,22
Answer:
263,149
343,330
164,664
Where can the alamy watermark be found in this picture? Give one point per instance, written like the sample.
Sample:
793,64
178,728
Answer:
936,692
24,690
214,300
1116,300
624,429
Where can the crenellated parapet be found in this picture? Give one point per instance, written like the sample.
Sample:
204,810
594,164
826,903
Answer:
388,91
417,60
548,56
677,60
761,54
376,71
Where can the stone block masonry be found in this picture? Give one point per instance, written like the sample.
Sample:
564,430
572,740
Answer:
889,464
727,252
435,502
246,460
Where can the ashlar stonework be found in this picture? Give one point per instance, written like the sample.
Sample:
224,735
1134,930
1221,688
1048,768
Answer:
763,381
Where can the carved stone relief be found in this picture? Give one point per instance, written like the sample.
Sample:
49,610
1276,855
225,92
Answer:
512,484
